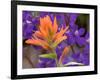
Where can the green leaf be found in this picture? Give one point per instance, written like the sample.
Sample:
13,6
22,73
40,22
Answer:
49,55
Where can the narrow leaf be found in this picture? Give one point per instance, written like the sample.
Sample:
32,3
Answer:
49,55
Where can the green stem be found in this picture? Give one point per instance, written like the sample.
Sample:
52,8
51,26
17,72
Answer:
56,59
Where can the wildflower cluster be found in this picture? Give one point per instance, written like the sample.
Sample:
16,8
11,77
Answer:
65,43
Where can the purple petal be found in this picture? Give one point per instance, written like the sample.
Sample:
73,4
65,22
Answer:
87,35
43,14
73,18
81,31
80,41
27,15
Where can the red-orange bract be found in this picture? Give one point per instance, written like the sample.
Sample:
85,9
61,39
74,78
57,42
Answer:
47,36
64,53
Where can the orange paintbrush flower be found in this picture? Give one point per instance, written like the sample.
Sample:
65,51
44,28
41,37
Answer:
64,53
47,35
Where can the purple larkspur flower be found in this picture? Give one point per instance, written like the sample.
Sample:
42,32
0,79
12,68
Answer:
61,19
28,24
72,28
82,57
82,40
72,18
27,16
75,35
27,30
78,38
